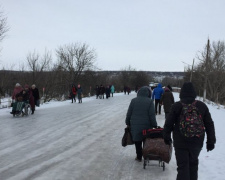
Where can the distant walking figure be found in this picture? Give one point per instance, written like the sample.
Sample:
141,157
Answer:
112,90
79,93
73,93
167,100
157,93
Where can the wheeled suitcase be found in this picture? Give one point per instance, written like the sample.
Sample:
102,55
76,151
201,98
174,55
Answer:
155,147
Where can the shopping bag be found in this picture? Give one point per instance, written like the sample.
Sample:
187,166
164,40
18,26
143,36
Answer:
127,137
38,103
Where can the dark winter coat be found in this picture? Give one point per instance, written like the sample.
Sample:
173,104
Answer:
157,92
97,90
167,100
107,91
31,99
141,114
187,96
36,95
24,94
102,90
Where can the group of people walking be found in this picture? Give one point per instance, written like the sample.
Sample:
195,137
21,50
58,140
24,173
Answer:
126,90
141,114
101,90
24,95
76,91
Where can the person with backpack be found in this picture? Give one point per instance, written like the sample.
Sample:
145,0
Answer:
189,120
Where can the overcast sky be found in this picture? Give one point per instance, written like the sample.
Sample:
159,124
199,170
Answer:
151,35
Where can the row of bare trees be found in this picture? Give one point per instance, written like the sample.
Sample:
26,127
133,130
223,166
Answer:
74,65
210,71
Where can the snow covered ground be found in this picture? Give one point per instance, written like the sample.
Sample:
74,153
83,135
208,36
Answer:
65,141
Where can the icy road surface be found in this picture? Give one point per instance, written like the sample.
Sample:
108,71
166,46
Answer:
65,141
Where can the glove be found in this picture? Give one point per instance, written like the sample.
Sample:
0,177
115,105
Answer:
210,147
168,141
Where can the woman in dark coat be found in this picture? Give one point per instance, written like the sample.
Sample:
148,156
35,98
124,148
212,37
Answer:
140,115
187,150
36,95
97,91
167,100
30,98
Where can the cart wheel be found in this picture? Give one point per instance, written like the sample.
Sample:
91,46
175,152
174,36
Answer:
163,165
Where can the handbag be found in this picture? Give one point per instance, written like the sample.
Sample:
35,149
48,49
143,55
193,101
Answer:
127,137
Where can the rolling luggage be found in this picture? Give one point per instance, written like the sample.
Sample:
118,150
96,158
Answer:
155,148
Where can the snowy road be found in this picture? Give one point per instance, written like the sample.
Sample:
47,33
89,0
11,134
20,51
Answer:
74,142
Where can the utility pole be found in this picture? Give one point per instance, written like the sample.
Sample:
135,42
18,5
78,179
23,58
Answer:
206,72
192,69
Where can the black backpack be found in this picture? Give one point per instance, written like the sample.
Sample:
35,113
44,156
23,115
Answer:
191,122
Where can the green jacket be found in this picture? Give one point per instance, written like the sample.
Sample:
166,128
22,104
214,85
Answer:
141,114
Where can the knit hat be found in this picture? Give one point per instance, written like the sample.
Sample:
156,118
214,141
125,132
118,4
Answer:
167,89
187,90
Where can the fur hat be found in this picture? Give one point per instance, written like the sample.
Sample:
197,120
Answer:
187,90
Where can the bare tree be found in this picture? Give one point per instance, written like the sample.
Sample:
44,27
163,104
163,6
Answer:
3,25
38,64
75,58
214,69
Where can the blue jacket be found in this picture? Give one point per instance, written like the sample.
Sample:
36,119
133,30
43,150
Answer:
157,92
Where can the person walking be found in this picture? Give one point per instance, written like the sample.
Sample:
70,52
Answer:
79,93
97,91
107,92
36,95
140,115
30,98
73,93
188,137
112,90
125,89
167,100
157,93
102,91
